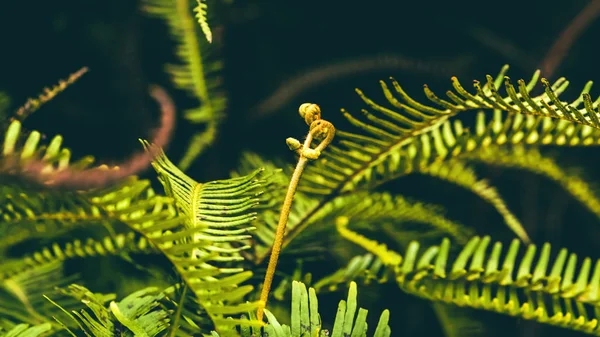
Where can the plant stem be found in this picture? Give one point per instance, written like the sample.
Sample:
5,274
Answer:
283,219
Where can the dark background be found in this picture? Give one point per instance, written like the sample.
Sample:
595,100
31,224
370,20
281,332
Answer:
265,43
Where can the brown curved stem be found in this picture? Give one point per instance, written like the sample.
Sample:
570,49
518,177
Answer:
97,177
567,37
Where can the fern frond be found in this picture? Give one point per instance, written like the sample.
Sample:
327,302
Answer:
350,320
24,330
412,135
196,74
138,314
200,10
556,291
364,159
29,212
214,226
121,244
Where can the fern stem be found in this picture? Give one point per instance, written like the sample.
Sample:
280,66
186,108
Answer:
319,128
283,219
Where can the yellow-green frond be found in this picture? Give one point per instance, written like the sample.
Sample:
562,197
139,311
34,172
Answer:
532,284
200,10
214,228
350,319
197,73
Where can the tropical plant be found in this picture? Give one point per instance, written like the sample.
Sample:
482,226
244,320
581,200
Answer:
188,260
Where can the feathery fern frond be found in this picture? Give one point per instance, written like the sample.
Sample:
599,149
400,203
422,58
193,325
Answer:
306,319
197,73
139,314
121,244
367,159
28,211
556,291
412,135
212,232
24,330
201,16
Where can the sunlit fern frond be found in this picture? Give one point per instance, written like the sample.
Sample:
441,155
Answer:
350,320
201,17
138,314
459,173
368,269
204,247
555,290
362,208
25,330
532,160
28,211
362,268
363,160
198,72
411,135
120,244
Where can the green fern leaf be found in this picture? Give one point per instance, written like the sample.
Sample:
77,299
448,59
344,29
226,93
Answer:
212,232
306,319
411,135
24,330
202,19
555,291
138,314
197,74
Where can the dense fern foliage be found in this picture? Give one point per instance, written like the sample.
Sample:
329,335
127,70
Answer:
124,258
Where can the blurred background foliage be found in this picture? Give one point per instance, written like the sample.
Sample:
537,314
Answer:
266,44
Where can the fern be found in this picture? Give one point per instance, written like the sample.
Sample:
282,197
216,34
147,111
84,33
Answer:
554,291
29,212
306,319
363,207
138,314
196,74
399,143
213,232
24,330
202,19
